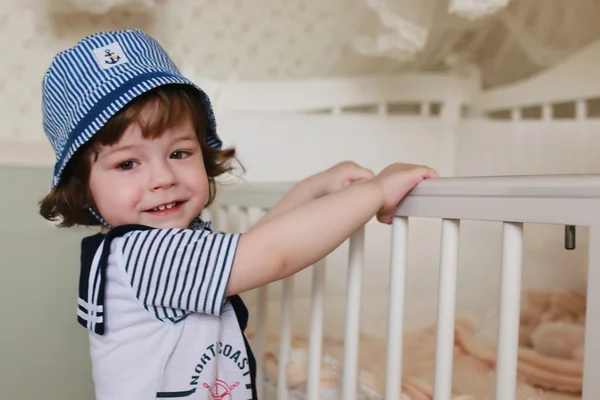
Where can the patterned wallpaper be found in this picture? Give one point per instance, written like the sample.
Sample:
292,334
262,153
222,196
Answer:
242,39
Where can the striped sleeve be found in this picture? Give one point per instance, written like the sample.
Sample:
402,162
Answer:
177,271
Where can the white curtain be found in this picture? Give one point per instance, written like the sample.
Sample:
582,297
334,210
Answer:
500,41
404,25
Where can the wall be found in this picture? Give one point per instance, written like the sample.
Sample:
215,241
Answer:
303,39
44,351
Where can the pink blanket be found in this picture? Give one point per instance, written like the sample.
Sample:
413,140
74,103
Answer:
549,363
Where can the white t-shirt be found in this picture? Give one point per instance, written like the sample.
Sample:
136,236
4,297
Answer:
160,324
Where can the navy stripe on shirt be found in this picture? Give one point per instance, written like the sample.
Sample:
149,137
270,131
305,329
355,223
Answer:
173,272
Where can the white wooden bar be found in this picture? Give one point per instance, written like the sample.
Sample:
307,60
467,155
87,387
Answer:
393,370
510,308
591,362
581,111
285,336
316,330
241,216
444,355
221,218
515,114
305,95
351,338
547,112
546,199
258,195
425,109
261,331
261,321
243,222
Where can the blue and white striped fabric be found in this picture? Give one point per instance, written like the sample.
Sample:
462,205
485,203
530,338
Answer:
89,83
173,272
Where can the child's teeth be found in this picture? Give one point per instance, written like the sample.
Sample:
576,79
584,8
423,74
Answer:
161,208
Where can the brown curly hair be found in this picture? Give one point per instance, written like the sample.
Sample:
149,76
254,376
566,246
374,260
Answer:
70,199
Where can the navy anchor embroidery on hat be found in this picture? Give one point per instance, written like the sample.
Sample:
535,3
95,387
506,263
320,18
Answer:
111,58
110,55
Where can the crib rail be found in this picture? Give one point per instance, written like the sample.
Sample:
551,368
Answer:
511,200
379,94
548,199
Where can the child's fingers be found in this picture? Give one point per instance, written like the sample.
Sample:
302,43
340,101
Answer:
430,174
387,220
362,173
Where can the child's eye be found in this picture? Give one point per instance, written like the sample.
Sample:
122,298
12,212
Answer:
127,165
179,154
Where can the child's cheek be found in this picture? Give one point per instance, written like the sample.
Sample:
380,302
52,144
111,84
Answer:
123,193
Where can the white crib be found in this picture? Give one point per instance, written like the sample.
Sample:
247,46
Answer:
532,146
461,132
570,200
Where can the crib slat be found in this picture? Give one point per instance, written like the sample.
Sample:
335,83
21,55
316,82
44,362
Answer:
581,111
260,328
221,219
393,375
515,114
425,109
591,360
261,333
510,307
206,215
546,112
243,220
285,336
355,267
444,354
316,331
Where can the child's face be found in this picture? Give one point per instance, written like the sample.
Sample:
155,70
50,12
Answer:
160,182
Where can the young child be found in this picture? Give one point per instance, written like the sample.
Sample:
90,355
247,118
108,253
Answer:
137,152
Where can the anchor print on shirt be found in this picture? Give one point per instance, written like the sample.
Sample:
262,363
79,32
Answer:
221,390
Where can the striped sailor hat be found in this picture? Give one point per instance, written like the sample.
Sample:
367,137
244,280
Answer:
89,83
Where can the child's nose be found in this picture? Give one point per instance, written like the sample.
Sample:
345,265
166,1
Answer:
163,177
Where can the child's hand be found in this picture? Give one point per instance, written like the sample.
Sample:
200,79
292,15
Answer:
339,176
396,181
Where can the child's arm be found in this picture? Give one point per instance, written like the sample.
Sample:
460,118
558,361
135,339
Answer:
315,186
175,271
301,236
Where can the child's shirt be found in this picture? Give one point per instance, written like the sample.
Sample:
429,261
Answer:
161,326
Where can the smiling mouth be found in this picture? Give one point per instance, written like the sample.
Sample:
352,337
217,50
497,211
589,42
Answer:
164,208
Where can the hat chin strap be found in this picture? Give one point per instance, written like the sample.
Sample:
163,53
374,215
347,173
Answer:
99,218
197,223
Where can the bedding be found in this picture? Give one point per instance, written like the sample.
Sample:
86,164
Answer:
549,362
